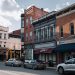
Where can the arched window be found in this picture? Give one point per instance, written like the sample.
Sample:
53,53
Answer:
72,28
61,31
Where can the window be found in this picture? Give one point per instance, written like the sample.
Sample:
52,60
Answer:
26,36
26,21
31,19
30,35
36,35
48,32
0,35
4,46
0,45
51,31
22,23
41,33
72,29
45,32
4,36
61,31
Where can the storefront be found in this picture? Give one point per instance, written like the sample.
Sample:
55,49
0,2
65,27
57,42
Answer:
45,52
64,52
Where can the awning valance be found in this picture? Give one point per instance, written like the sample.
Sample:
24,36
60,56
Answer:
65,48
46,50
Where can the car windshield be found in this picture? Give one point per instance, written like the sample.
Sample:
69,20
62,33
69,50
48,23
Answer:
11,59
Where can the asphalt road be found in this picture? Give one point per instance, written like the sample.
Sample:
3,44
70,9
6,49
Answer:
7,70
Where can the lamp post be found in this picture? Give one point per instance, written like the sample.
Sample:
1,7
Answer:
14,51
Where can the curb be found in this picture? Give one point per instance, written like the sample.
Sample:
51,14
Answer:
51,68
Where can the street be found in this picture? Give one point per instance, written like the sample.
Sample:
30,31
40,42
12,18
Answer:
7,70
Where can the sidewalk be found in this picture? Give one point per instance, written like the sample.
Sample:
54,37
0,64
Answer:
51,68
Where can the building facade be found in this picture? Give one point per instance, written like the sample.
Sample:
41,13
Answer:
44,32
3,42
65,33
14,45
30,14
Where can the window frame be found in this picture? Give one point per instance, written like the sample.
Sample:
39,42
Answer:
71,24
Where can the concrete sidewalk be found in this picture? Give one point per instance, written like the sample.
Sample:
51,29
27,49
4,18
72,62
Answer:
51,68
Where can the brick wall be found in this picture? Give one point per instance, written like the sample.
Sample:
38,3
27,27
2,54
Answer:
65,22
35,13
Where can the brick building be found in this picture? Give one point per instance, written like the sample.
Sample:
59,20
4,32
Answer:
65,33
27,28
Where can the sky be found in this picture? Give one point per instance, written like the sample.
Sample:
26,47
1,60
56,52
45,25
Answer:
10,10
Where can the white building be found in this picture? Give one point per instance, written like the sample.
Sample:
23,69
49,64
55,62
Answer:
3,42
14,45
3,36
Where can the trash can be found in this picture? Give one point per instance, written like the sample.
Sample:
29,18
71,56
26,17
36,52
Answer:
50,63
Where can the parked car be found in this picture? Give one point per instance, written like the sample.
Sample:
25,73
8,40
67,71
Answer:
13,62
68,66
34,64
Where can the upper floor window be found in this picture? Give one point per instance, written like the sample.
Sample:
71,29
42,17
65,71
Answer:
45,32
61,31
4,36
72,28
0,35
31,20
26,21
22,23
26,36
30,35
51,31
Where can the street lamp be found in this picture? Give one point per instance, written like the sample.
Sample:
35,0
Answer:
14,51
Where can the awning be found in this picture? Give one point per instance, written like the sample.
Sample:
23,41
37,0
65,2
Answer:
37,51
46,50
65,48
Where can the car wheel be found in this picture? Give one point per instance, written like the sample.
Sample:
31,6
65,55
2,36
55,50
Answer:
61,70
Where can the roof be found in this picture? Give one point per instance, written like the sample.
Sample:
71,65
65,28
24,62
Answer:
15,34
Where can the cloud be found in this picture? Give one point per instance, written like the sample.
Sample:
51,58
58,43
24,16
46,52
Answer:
58,6
47,9
9,8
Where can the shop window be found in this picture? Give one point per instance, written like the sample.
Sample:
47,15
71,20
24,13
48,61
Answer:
72,28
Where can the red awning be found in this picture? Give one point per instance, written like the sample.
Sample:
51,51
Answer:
37,51
46,50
